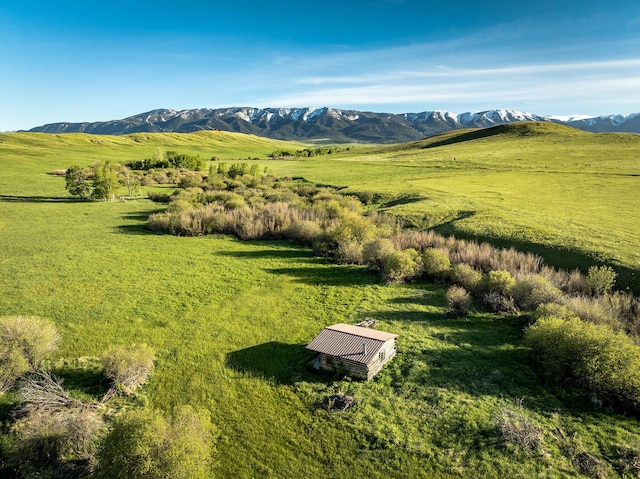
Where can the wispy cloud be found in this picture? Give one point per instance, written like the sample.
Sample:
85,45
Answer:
457,75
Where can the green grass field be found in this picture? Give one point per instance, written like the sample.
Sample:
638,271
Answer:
229,320
571,196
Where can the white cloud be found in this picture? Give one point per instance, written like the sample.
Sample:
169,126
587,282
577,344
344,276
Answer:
441,76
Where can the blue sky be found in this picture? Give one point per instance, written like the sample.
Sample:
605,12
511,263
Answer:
90,61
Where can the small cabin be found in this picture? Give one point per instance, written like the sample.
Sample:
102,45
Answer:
353,350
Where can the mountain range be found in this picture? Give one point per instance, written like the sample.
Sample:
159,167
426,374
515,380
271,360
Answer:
330,124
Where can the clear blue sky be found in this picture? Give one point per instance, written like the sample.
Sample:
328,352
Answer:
102,60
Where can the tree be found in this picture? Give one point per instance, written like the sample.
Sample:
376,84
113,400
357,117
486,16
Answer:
24,343
143,444
77,184
254,170
238,169
105,180
128,180
222,169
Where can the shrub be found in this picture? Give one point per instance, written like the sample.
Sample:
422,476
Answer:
499,303
555,310
602,360
466,276
43,391
127,367
592,309
517,428
458,301
628,460
500,281
601,279
190,180
144,444
58,444
348,251
436,262
303,231
25,341
573,282
344,240
534,290
626,308
401,265
375,253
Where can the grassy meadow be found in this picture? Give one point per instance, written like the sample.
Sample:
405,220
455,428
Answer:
229,319
571,196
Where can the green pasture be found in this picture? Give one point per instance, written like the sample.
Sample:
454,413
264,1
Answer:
572,197
229,319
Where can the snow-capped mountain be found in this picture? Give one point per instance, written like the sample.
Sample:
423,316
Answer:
610,123
329,123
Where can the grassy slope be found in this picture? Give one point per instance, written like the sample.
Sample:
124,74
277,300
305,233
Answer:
572,196
229,321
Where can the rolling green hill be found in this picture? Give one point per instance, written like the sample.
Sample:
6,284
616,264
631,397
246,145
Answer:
229,320
571,196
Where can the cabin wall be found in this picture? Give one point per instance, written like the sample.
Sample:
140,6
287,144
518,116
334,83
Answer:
386,354
359,370
332,363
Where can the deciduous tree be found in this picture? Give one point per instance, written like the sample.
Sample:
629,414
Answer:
77,183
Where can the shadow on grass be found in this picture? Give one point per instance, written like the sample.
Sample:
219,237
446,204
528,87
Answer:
139,229
403,200
338,275
426,293
525,129
291,251
88,380
284,363
484,357
406,316
320,271
142,216
41,199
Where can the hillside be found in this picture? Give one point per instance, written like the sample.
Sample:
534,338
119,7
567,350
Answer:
569,195
329,124
229,320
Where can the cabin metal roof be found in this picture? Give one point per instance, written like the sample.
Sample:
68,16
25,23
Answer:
345,341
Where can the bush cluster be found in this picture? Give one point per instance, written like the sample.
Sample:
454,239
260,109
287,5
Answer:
237,200
505,281
307,152
595,356
169,159
54,434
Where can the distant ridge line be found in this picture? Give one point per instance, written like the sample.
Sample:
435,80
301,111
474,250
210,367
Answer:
330,124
